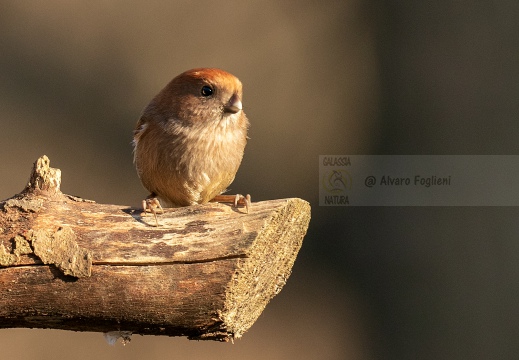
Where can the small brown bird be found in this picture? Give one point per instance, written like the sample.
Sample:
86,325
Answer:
189,141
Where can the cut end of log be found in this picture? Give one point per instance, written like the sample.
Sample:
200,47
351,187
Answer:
207,272
265,271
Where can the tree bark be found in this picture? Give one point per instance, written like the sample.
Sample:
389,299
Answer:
206,272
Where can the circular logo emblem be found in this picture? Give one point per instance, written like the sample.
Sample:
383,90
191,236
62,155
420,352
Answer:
336,181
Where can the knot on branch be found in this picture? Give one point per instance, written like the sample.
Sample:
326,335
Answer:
43,177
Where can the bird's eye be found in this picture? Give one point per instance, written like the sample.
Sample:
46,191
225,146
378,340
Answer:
206,90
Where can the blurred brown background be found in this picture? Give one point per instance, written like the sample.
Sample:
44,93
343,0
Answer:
327,77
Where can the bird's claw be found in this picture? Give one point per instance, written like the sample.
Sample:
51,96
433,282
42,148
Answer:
152,205
236,200
239,199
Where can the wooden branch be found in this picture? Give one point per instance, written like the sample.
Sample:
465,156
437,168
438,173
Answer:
206,272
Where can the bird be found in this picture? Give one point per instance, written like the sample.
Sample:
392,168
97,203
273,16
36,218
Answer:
190,139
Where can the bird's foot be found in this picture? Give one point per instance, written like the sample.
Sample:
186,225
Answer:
152,205
236,200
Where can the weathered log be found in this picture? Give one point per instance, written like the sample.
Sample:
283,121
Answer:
206,272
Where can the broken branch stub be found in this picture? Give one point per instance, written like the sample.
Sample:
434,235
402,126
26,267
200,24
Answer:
207,272
43,177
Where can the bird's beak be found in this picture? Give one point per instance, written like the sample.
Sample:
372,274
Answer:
233,105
